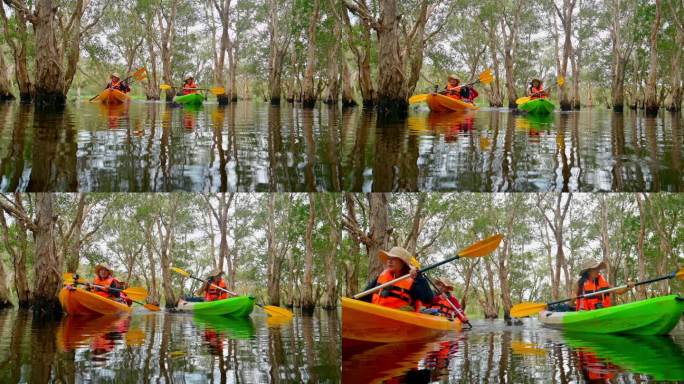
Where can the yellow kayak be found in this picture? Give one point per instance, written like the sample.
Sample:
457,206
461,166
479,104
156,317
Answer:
366,322
112,96
79,302
440,103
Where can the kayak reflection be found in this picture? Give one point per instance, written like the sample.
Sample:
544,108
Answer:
602,356
240,328
451,125
99,334
416,362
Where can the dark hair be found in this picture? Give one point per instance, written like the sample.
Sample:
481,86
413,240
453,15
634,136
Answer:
580,283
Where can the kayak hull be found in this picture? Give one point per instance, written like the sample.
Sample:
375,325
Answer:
80,302
538,107
191,99
113,97
655,316
366,322
239,306
440,103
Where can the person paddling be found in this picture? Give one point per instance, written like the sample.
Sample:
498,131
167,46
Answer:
443,296
454,90
189,86
536,90
591,280
406,294
211,293
104,279
115,82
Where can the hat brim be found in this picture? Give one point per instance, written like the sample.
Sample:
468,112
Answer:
384,256
601,265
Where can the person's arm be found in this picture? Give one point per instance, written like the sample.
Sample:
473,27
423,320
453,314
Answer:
420,290
371,284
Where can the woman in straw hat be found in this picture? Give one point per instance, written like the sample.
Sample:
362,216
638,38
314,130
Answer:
454,90
443,298
115,82
591,280
104,279
536,90
406,294
210,290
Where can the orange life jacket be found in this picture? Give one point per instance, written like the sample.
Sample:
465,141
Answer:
537,93
106,283
396,295
445,309
453,91
189,91
591,286
212,293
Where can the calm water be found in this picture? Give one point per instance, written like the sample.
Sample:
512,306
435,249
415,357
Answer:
160,347
495,353
255,147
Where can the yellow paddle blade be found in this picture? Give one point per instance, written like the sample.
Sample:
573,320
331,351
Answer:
418,98
680,274
272,310
486,77
152,307
482,247
218,90
560,81
415,262
136,293
140,74
180,271
165,87
527,309
69,279
522,100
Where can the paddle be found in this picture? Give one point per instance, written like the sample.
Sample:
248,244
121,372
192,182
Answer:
462,315
485,77
478,249
525,99
140,75
527,309
269,309
214,90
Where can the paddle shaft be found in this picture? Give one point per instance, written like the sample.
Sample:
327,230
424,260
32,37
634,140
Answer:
655,279
398,279
459,311
100,286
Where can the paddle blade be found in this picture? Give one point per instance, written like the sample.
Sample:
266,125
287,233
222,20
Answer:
482,247
560,81
527,309
69,279
272,310
152,307
218,90
140,74
180,271
486,77
136,293
522,100
680,274
418,98
165,87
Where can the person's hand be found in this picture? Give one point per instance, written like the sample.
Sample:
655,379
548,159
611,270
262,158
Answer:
88,286
413,272
630,284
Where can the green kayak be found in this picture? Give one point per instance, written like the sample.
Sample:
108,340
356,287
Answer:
538,107
657,356
193,98
655,316
238,306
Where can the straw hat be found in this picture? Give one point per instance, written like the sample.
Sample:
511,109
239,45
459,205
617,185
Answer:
116,74
103,266
189,76
592,263
215,273
453,76
448,284
396,252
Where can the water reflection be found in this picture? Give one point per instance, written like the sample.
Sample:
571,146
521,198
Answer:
493,352
257,147
166,347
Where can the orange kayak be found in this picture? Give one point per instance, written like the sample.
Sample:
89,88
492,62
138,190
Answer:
112,96
366,322
441,103
80,302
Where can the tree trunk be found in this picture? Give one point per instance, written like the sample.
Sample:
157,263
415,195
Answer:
510,45
335,60
5,86
675,104
4,289
392,99
278,48
379,231
223,9
495,99
274,261
347,91
49,89
47,268
17,39
566,20
641,258
166,25
307,289
651,96
334,236
309,93
17,249
363,56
